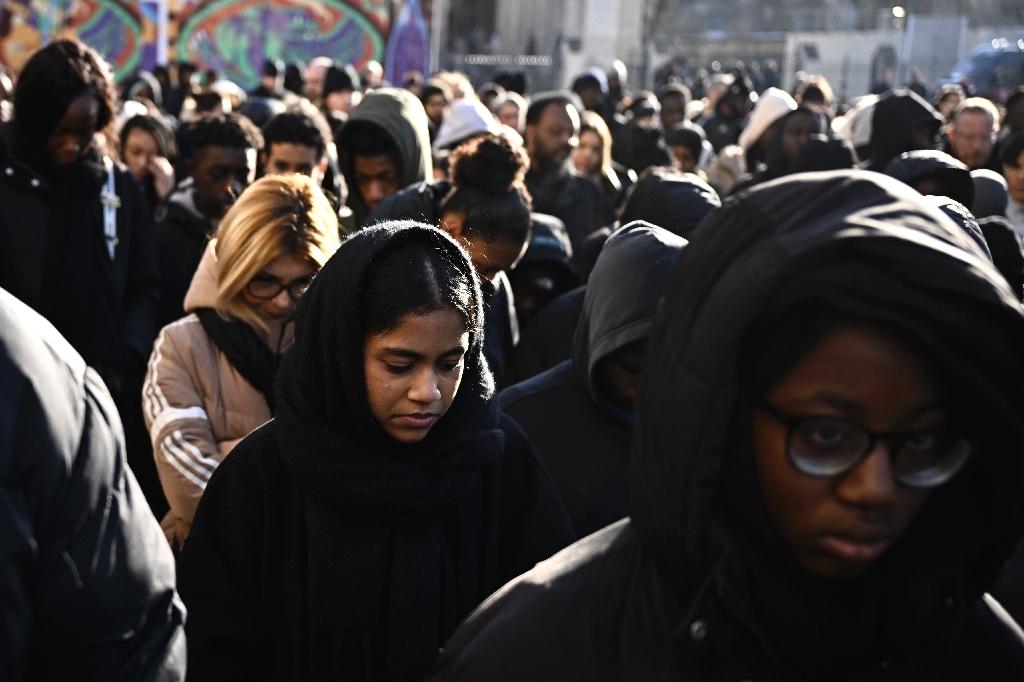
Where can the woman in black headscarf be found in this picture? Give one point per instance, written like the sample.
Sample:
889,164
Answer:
346,538
827,463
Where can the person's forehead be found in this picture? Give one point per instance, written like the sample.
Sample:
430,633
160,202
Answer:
140,137
973,117
557,113
381,163
291,150
222,156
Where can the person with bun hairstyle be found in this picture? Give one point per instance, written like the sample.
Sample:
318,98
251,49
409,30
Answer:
211,374
347,537
486,207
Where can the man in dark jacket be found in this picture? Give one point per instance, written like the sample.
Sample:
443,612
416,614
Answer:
552,127
220,153
75,239
579,414
384,146
86,577
698,584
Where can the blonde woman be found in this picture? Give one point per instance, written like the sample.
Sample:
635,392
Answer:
593,159
211,374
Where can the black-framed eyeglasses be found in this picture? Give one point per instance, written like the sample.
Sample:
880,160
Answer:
266,288
830,446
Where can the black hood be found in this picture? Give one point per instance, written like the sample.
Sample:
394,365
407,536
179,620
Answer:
990,194
874,249
401,116
622,296
897,115
930,163
323,415
671,200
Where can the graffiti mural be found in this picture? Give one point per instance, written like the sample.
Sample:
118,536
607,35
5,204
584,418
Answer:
235,36
112,27
231,36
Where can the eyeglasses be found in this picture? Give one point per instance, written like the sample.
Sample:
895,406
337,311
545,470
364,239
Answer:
830,446
266,288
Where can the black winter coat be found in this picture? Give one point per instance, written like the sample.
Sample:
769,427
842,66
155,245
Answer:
324,550
86,576
181,234
54,257
582,439
573,199
696,585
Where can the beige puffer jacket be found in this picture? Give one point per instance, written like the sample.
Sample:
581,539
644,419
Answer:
196,405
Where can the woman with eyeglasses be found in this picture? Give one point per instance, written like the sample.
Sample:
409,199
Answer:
211,374
827,464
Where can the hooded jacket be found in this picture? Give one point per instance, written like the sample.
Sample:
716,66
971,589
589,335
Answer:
324,550
181,234
922,164
194,399
86,579
676,591
894,119
400,115
582,439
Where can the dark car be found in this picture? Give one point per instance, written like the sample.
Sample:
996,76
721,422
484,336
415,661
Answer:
991,70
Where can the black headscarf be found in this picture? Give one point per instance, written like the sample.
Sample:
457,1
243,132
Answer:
396,534
862,247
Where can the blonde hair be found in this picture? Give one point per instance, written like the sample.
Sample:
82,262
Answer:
277,215
592,121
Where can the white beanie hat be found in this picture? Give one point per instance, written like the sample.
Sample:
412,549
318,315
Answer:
465,118
856,126
771,106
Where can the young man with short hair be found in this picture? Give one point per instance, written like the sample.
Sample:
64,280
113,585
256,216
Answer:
220,158
384,147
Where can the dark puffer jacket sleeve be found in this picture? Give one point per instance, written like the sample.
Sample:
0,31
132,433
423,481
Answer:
86,577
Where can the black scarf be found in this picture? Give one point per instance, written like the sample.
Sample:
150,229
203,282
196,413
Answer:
397,539
247,352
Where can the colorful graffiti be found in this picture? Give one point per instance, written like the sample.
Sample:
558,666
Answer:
113,27
236,36
231,36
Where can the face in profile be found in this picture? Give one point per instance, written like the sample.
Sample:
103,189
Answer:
413,372
858,377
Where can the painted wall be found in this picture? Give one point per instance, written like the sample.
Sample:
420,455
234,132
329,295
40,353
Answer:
232,36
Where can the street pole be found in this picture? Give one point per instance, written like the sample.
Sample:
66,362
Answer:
437,21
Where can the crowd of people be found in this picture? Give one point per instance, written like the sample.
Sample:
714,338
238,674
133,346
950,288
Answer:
446,382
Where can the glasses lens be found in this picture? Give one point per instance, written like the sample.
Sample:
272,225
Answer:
826,447
263,288
929,459
299,286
